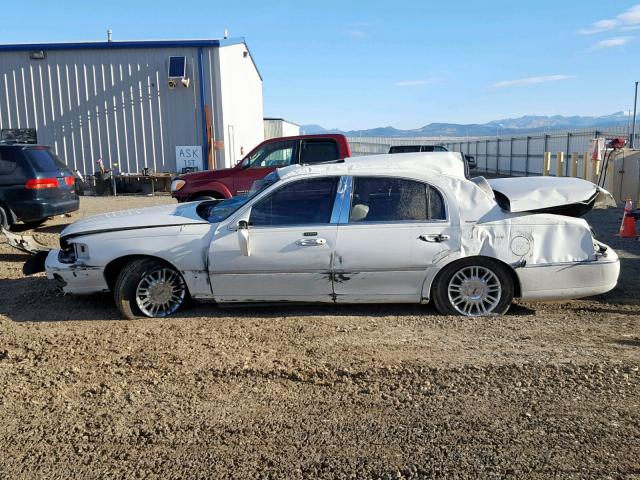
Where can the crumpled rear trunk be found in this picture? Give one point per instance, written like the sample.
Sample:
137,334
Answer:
558,195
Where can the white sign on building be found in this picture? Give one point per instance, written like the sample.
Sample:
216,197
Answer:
188,157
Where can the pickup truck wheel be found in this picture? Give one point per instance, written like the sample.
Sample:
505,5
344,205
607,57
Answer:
149,288
473,287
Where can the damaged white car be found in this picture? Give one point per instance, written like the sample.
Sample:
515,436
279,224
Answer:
387,228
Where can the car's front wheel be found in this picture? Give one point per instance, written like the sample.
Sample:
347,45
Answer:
150,288
473,287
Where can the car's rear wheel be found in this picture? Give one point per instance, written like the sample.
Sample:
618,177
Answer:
473,287
149,288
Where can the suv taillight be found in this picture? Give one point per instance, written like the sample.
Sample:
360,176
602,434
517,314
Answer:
41,183
70,181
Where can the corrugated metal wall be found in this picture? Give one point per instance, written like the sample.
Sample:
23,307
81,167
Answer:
108,104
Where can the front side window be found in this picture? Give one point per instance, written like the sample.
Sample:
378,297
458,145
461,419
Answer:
275,155
384,199
305,202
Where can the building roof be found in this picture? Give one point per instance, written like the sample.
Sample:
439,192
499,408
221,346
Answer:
275,119
22,47
128,44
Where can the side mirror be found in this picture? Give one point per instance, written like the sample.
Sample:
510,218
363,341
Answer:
243,238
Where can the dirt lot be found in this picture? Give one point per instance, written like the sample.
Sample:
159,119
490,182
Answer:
296,392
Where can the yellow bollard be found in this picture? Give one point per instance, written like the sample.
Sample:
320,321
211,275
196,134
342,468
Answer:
574,164
546,163
585,165
595,171
560,164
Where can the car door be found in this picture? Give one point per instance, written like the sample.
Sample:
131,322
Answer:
388,237
264,161
290,236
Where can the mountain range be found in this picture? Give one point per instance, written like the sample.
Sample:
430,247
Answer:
506,126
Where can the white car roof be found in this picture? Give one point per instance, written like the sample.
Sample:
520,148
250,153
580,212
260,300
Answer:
418,165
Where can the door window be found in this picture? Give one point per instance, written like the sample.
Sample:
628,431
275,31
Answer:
306,202
385,199
314,151
7,161
275,155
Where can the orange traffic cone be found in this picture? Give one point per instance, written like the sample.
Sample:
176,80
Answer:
628,227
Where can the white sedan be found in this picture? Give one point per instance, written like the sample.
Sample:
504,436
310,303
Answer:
382,229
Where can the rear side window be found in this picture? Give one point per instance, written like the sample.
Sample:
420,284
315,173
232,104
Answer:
318,151
306,202
7,160
404,149
381,199
43,160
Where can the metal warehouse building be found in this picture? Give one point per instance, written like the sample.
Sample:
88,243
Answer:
164,105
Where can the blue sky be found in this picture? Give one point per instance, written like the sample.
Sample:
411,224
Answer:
362,64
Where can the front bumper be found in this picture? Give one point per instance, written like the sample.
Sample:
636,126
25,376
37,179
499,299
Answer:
570,280
77,278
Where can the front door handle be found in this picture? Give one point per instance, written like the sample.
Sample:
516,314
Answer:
437,238
311,242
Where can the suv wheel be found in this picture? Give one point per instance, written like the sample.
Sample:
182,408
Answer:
4,218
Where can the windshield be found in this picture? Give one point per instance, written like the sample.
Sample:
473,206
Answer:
217,211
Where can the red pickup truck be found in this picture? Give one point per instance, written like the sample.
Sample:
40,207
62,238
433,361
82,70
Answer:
262,160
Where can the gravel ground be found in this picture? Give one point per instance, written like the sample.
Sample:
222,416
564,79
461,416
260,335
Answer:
550,390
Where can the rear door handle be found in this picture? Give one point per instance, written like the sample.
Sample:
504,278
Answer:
436,238
311,242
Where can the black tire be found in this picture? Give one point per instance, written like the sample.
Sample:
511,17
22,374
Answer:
4,218
132,276
444,302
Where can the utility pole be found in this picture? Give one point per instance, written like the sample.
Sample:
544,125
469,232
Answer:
633,124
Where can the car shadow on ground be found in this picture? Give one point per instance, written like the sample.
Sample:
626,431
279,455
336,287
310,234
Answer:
52,228
13,257
36,299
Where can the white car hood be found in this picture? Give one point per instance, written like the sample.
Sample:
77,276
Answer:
151,217
526,194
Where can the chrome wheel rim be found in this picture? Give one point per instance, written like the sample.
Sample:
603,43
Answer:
474,291
160,292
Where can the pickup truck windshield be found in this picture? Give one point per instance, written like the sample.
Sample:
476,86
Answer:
217,211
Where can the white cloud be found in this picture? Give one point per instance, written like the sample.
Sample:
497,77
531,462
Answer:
625,20
415,83
612,42
530,81
355,33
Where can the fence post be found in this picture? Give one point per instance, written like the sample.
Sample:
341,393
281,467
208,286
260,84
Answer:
486,156
526,158
585,165
574,164
497,154
566,169
559,164
546,164
511,157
